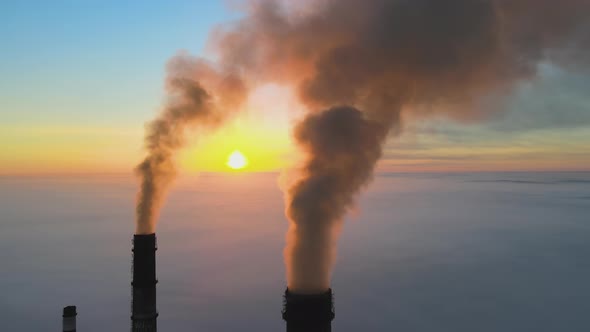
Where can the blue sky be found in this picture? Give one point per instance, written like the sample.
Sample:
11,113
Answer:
61,54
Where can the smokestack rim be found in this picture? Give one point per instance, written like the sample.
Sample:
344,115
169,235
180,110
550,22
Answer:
144,247
144,238
325,294
69,311
303,307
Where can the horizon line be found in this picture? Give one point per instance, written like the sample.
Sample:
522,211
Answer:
195,174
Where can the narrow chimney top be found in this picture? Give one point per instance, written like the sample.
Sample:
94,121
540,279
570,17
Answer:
70,311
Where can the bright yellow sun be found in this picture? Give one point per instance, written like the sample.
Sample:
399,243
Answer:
236,160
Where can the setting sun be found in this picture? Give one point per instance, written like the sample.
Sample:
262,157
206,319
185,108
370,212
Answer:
237,160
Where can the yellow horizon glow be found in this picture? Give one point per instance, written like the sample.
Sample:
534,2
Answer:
262,132
244,148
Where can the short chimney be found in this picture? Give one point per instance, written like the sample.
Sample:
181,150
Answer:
143,306
308,312
69,318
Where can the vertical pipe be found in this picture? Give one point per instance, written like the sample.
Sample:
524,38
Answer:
308,312
143,306
69,318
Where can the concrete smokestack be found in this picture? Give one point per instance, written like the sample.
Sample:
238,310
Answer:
143,306
69,318
308,312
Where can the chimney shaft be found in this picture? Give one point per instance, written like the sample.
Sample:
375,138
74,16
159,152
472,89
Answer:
308,312
69,319
144,313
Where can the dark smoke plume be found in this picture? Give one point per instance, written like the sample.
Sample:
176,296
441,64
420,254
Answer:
342,148
361,66
386,60
200,97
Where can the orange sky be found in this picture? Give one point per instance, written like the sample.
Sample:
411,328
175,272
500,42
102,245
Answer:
38,150
262,133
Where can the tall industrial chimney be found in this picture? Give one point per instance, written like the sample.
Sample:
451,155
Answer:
143,306
69,319
308,312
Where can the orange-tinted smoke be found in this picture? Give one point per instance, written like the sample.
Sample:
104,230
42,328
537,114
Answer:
200,97
384,58
361,64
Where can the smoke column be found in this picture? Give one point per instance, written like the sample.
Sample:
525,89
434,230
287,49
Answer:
342,148
360,67
199,97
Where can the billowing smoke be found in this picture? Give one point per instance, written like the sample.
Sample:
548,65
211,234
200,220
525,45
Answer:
360,67
199,98
342,149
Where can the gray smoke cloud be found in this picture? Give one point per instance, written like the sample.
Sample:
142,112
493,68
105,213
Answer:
361,66
342,148
199,97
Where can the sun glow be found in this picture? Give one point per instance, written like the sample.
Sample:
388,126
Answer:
237,160
260,132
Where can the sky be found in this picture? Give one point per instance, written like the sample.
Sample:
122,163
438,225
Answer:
80,79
